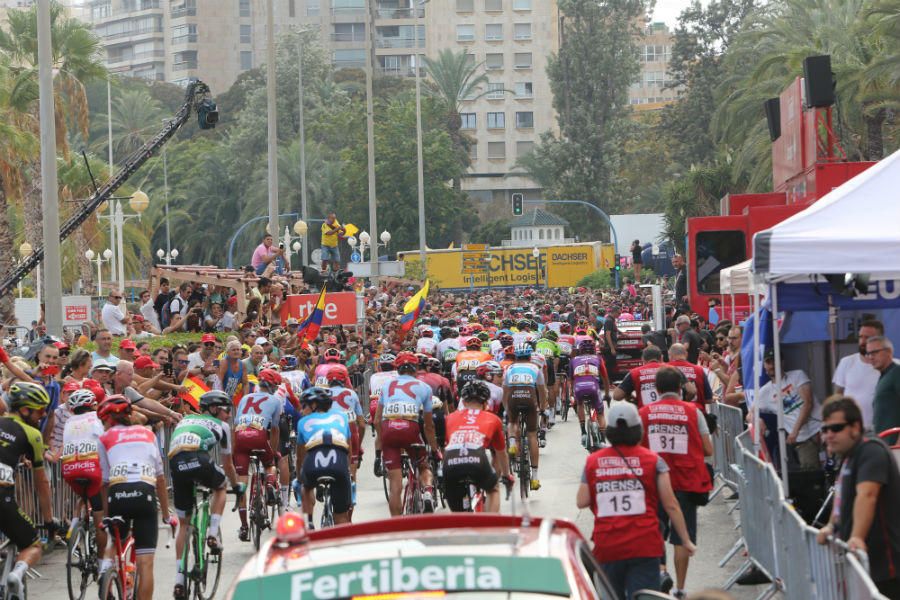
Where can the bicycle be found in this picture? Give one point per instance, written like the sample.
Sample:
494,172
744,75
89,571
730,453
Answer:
257,514
120,582
82,560
323,495
198,563
595,437
524,458
8,553
412,491
562,397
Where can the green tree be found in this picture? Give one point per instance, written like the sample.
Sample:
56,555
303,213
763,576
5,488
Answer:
136,117
696,194
452,79
490,232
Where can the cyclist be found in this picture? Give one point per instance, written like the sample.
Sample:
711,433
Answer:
523,385
397,429
256,430
346,400
323,443
190,461
385,374
293,383
28,403
133,481
547,347
491,373
466,366
331,360
79,458
471,431
426,343
586,371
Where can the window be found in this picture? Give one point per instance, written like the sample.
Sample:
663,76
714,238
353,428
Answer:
655,53
465,33
468,120
493,32
183,34
100,11
292,8
493,5
496,120
523,60
349,32
493,61
246,60
521,4
540,234
244,8
349,58
524,148
470,60
245,34
657,78
465,5
715,251
347,5
525,120
522,31
497,150
473,151
312,8
524,89
495,91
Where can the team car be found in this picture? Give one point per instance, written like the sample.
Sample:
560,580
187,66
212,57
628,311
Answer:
441,555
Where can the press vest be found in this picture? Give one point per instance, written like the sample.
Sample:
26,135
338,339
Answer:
644,380
671,430
694,374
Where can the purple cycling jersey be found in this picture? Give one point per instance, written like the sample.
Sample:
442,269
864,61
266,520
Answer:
585,371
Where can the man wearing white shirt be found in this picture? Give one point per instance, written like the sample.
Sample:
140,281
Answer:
114,314
855,376
148,311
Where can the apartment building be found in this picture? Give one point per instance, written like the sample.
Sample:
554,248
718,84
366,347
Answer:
649,92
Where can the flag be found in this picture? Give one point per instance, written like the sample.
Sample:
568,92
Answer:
412,308
350,230
309,328
196,388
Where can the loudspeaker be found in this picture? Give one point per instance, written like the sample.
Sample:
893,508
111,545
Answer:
772,107
818,81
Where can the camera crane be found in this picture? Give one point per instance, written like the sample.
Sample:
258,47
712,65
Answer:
196,98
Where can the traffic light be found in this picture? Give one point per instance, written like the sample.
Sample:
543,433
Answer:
617,266
518,205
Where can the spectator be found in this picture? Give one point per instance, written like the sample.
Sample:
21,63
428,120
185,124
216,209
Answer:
253,362
115,317
121,384
866,511
218,319
699,389
103,354
45,374
178,306
200,363
637,260
148,310
265,254
855,376
332,232
127,350
611,339
684,334
886,403
681,291
162,301
79,366
800,418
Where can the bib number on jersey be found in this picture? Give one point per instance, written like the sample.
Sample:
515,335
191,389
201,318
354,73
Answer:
669,439
401,410
621,503
82,448
468,364
586,371
521,379
131,473
649,393
185,442
7,475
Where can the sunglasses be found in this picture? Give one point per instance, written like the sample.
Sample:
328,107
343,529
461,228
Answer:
834,427
65,353
209,344
876,351
116,297
182,362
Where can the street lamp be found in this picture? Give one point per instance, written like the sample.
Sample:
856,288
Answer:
138,202
105,256
25,250
300,228
167,256
365,241
537,265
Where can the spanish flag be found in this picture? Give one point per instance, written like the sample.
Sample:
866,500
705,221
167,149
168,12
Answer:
412,309
309,328
196,388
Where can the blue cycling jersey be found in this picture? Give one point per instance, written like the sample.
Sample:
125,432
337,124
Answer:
404,398
258,410
324,429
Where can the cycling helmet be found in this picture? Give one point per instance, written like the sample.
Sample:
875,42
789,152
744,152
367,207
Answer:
214,398
332,355
551,335
509,350
427,332
406,359
505,340
477,391
81,398
338,376
23,394
580,331
288,361
445,332
464,330
523,350
489,368
473,343
587,347
117,404
94,386
269,377
565,329
387,359
433,365
317,398
475,327
436,403
523,324
484,336
422,358
507,323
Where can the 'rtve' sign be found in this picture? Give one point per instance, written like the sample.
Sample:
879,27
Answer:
340,308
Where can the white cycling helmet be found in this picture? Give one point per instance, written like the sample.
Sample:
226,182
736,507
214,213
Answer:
81,398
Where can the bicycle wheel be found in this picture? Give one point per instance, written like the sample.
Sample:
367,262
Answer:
256,509
81,561
111,586
189,563
387,486
564,393
207,571
327,509
524,462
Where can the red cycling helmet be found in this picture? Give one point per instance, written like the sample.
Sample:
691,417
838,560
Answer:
473,343
338,375
332,355
406,358
428,332
509,350
565,328
270,377
117,404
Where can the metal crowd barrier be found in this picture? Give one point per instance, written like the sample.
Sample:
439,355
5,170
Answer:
779,543
730,425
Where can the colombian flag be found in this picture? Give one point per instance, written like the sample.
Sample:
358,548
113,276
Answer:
309,328
413,308
196,388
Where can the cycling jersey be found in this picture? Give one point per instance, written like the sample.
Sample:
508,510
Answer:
586,372
494,403
473,429
440,385
324,429
376,384
521,337
18,439
298,380
523,379
258,411
322,372
129,455
80,458
404,398
566,344
447,349
347,402
469,434
326,437
200,433
426,345
547,348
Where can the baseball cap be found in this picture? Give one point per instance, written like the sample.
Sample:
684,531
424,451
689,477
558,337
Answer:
292,321
103,366
623,410
769,355
208,338
61,345
127,345
145,362
137,319
260,341
71,386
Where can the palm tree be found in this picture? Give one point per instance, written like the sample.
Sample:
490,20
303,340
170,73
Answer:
453,79
136,116
75,59
76,186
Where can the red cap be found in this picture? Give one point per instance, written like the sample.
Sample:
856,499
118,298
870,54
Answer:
137,319
232,300
208,338
127,345
71,386
145,362
331,339
61,345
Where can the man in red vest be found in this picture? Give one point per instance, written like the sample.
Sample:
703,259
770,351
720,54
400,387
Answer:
623,486
677,431
641,380
699,388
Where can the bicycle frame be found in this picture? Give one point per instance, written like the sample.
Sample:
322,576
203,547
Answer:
197,527
123,550
411,489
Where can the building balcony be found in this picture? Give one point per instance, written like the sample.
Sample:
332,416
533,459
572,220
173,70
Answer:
397,42
401,13
137,58
183,10
185,65
348,37
107,37
139,10
188,38
399,71
349,64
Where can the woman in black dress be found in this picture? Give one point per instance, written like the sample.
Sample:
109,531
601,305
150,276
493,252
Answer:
636,260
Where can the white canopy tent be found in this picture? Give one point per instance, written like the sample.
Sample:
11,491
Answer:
852,229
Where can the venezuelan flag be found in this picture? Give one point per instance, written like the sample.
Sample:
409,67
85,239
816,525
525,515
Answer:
196,388
309,328
413,307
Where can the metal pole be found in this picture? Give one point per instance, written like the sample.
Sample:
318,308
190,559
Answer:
99,277
304,210
112,215
370,138
779,401
419,160
37,286
166,196
272,118
120,225
53,316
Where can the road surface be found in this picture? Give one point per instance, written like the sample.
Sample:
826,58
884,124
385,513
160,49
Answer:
560,472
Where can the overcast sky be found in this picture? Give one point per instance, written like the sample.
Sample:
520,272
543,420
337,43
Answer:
668,11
